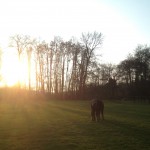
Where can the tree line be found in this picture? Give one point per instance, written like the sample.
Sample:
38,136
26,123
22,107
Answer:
70,69
61,67
130,79
134,73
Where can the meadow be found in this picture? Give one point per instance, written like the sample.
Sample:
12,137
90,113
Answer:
65,125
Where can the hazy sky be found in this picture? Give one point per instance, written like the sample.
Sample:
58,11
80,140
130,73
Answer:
123,23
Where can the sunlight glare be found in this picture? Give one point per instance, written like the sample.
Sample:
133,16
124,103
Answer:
13,72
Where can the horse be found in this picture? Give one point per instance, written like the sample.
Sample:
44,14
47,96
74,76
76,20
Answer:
97,109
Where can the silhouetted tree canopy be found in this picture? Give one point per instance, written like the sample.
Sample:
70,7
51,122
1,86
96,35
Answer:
70,69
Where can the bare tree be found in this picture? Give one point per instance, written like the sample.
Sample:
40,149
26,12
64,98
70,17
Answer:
29,49
74,77
90,42
19,42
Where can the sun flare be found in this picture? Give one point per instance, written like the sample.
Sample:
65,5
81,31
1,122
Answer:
13,71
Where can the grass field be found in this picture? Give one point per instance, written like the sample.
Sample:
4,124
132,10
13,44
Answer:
66,125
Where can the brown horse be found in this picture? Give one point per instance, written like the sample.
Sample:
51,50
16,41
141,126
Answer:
97,109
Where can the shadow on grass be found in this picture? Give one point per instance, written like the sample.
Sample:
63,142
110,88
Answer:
115,134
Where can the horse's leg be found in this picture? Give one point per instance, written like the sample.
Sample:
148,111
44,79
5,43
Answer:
98,115
93,114
102,113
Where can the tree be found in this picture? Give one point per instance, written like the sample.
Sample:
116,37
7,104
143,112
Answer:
90,42
40,65
29,49
75,51
19,42
126,70
142,57
56,46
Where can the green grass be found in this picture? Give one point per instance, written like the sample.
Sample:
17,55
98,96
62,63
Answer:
58,125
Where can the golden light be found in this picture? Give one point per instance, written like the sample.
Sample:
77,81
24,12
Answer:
13,71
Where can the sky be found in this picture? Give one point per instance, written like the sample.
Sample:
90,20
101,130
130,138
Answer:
123,23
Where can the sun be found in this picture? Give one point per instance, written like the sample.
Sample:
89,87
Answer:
13,71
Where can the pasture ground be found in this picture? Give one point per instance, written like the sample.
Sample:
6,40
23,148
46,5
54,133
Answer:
65,125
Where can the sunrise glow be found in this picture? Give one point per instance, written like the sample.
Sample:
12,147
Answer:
122,27
13,71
